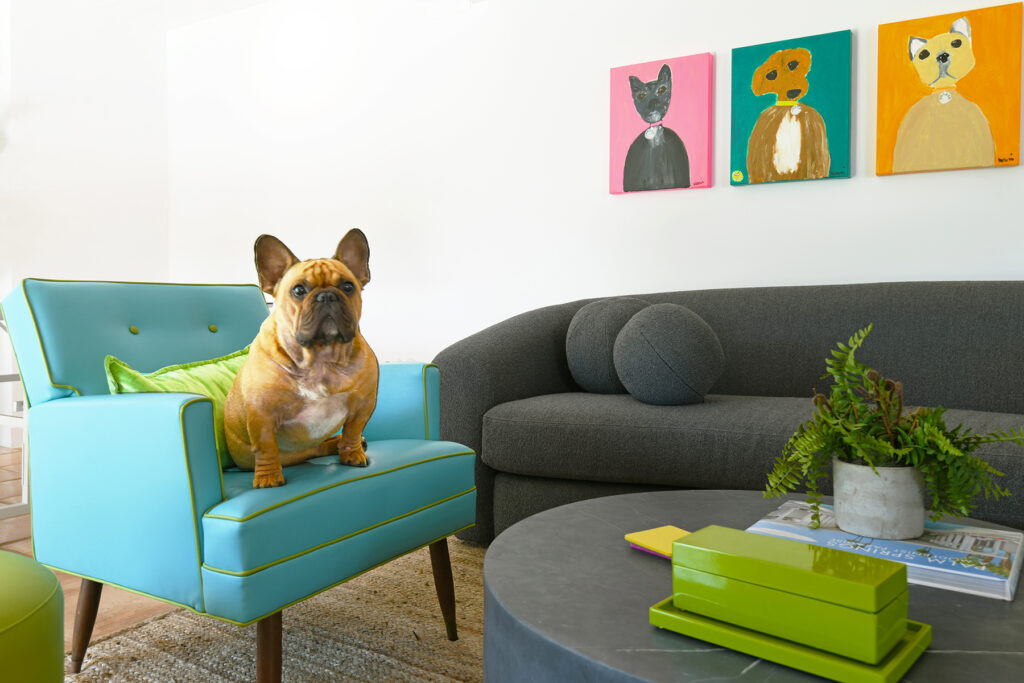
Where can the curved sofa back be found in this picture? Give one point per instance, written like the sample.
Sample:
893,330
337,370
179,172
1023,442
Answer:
955,344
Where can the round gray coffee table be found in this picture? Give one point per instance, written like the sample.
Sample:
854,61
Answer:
566,599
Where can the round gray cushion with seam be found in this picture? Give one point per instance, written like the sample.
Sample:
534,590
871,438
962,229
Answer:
590,341
668,355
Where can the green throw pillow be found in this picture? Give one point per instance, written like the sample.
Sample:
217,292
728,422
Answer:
212,378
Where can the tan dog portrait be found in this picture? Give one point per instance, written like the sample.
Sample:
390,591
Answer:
944,129
309,373
789,141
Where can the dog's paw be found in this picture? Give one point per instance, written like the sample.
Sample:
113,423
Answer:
268,480
353,457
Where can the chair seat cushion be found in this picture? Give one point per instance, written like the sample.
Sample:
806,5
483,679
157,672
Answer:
324,503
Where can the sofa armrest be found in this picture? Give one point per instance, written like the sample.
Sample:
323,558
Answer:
408,403
517,358
119,485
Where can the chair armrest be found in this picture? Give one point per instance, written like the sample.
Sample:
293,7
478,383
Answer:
119,485
408,403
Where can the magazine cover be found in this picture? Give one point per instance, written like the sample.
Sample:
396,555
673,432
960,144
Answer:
959,557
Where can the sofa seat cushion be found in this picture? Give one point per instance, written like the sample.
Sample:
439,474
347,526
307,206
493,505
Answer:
724,442
324,503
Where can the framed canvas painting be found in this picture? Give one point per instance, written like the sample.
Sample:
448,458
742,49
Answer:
661,125
791,110
949,91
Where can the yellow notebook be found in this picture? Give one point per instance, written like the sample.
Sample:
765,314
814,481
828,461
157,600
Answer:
656,541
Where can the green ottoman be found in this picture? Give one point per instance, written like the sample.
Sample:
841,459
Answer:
31,621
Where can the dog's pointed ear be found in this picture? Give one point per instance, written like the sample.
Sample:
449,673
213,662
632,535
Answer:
354,251
273,259
962,26
915,45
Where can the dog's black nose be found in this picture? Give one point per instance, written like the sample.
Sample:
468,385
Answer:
795,92
943,57
326,298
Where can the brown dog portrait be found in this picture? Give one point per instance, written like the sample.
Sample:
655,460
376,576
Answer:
309,373
789,141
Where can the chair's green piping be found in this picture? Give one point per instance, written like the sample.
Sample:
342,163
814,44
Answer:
338,583
124,588
274,611
192,493
124,282
250,572
426,402
42,347
331,486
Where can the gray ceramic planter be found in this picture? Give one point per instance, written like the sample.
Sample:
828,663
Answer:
889,504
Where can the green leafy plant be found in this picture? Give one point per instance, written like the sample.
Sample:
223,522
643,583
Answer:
863,420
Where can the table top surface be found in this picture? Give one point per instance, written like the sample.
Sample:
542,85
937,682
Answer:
568,575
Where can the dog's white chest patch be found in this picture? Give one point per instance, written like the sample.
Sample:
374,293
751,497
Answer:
788,138
320,417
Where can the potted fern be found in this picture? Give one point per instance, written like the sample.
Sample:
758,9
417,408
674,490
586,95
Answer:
864,431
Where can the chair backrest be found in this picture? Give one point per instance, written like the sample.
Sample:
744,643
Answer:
62,330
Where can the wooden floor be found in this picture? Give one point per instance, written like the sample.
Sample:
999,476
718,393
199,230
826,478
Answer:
119,609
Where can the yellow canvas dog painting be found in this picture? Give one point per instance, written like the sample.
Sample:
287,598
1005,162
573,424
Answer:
944,129
949,91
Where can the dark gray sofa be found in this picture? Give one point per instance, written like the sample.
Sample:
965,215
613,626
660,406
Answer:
507,392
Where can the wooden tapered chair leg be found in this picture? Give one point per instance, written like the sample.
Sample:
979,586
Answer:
441,564
268,649
85,619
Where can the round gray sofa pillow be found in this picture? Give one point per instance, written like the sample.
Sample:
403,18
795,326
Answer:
667,355
590,341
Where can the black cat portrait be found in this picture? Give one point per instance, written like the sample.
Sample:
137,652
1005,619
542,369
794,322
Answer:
657,159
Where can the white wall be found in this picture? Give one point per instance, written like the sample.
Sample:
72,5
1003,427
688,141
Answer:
83,141
469,141
83,136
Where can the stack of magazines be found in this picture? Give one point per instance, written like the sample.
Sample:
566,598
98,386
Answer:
959,557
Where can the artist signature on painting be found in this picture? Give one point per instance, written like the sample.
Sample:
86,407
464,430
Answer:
1006,160
698,183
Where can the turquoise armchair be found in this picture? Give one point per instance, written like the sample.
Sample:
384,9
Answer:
127,490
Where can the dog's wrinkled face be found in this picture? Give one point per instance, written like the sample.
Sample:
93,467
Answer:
318,301
946,58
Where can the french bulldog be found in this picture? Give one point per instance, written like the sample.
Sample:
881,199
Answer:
309,373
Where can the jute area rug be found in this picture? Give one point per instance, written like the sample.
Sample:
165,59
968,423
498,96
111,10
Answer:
382,626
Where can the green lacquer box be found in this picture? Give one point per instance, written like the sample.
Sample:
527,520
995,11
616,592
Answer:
850,605
890,670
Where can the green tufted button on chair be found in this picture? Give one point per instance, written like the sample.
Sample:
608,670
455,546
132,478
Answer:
127,489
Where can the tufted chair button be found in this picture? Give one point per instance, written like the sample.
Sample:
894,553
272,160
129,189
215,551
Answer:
213,328
133,329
